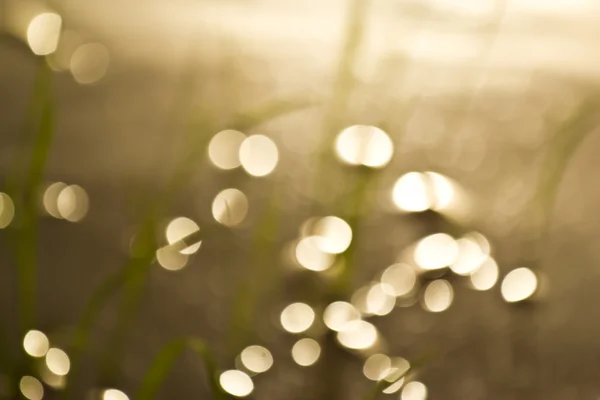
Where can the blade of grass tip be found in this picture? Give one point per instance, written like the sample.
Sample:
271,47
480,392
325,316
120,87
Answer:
560,151
27,230
343,86
164,361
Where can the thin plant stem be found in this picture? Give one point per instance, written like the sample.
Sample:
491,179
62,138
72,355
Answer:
164,361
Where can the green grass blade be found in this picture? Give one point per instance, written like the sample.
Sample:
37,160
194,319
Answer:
164,361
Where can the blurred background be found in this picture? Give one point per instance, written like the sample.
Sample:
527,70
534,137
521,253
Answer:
344,199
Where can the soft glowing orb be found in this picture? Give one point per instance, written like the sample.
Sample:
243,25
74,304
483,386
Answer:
224,149
43,33
399,279
364,145
411,193
436,251
114,394
414,391
259,155
377,367
438,296
357,335
333,235
89,63
519,284
338,314
230,207
236,383
297,317
31,388
36,343
257,359
486,276
310,256
58,361
7,210
180,228
306,352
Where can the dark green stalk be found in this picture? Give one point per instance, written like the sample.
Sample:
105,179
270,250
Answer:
26,235
164,361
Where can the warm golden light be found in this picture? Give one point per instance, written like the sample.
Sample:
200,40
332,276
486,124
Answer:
259,155
411,194
443,191
297,317
398,279
224,149
58,362
377,367
414,391
357,335
36,343
364,145
486,276
310,256
180,228
438,296
89,63
114,394
399,368
236,383
306,352
7,210
256,359
50,198
470,257
43,33
436,251
72,203
338,314
393,388
51,379
170,259
31,388
333,235
230,207
519,284
379,300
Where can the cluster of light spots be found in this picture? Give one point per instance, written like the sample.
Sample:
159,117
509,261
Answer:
416,192
486,276
436,251
306,352
297,317
224,149
36,343
114,394
519,284
377,367
50,198
357,335
7,210
379,301
236,383
258,155
58,361
31,388
338,314
364,145
72,202
470,257
89,63
399,279
179,229
414,391
332,234
43,33
170,259
256,359
310,256
438,296
230,207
